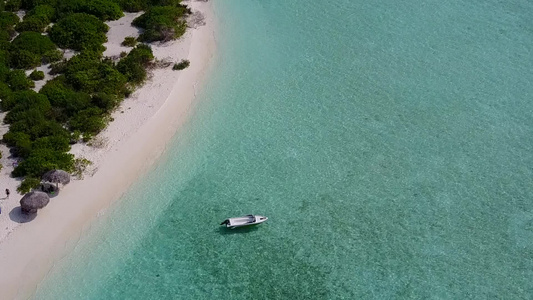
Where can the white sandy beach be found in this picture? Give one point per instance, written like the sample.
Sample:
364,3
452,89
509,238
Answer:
142,127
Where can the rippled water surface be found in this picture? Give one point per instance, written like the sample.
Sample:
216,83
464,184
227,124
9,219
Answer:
389,142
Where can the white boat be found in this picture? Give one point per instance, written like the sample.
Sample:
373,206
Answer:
244,221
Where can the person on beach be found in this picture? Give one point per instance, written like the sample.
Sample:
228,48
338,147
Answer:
7,193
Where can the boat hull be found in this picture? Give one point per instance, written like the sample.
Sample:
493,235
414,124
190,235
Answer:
244,221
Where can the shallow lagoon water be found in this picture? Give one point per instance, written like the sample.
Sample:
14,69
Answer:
389,143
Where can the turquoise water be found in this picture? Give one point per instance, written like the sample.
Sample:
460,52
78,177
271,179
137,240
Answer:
389,142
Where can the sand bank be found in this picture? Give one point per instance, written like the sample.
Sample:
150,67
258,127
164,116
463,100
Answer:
141,129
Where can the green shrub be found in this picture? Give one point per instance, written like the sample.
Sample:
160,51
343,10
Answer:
33,42
23,102
58,67
162,23
138,5
107,102
19,142
8,21
18,81
24,59
129,41
86,72
102,9
28,184
32,24
13,5
133,66
64,100
89,121
80,31
5,94
56,143
42,160
37,75
31,4
28,49
132,5
184,63
37,19
52,56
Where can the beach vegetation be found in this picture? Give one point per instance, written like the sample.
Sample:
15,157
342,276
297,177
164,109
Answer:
8,20
102,9
86,72
5,93
80,31
139,5
41,161
28,49
162,23
37,75
132,5
80,166
28,184
184,63
37,19
133,66
52,56
106,102
13,5
17,81
129,41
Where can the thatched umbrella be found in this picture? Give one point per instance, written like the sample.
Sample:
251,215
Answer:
33,201
57,176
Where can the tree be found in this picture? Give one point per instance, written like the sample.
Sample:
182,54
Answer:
8,21
87,73
162,23
18,81
37,19
133,66
28,49
37,75
102,9
80,31
42,160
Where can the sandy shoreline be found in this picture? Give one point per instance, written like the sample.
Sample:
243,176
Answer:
141,129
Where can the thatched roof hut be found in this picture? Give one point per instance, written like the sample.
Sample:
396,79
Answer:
57,176
33,201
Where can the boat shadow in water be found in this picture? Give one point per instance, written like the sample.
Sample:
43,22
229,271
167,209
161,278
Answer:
237,230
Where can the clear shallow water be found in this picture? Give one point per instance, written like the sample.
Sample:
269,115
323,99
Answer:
389,142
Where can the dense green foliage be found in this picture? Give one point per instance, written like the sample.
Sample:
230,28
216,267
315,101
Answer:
29,48
8,21
133,66
78,102
102,9
162,23
13,5
138,5
129,41
80,31
18,81
28,184
37,19
184,63
88,73
37,75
